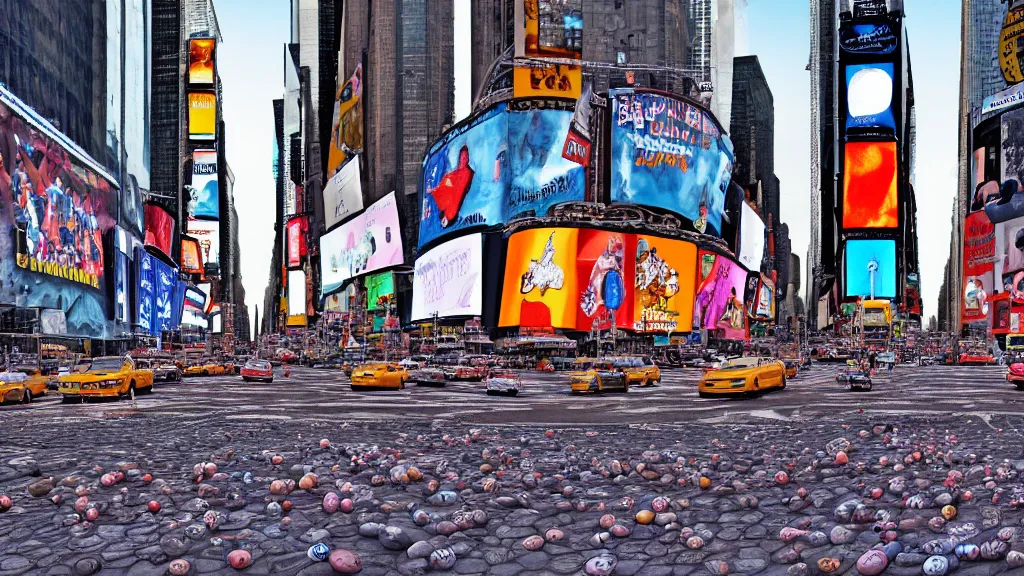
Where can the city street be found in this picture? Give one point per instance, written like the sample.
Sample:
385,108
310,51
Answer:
926,438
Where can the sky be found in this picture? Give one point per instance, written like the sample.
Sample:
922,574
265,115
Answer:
777,31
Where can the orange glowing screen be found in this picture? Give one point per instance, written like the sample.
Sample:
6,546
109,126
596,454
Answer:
869,185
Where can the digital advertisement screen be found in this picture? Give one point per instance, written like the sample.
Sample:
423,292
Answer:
191,262
718,303
869,95
296,293
202,115
347,128
551,81
870,261
200,61
669,154
296,234
193,311
869,185
369,242
207,233
206,289
979,257
145,289
205,200
122,250
448,280
548,28
379,287
132,208
1010,246
752,238
159,228
505,163
605,277
540,286
664,284
1006,199
165,281
867,38
343,195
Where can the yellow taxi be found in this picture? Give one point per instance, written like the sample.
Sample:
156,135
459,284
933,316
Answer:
208,369
750,374
792,368
640,370
36,381
597,376
12,388
379,375
107,377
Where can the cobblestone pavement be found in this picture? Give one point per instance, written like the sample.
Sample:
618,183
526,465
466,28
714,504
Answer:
808,481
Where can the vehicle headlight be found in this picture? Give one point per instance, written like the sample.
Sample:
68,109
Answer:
739,382
109,383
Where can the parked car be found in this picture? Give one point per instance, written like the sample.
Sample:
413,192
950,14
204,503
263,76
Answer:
427,376
503,382
598,376
854,377
107,377
163,369
260,370
640,370
379,375
409,364
12,388
745,375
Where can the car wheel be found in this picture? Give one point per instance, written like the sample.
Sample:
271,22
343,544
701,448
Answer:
68,400
783,387
27,399
703,395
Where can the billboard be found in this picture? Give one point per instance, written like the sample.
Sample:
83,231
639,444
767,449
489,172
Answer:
57,206
664,284
165,280
191,262
751,238
296,293
765,306
604,279
1010,51
548,28
122,255
369,242
979,255
207,233
200,61
347,127
145,289
159,228
540,279
869,185
343,195
500,165
669,154
867,38
132,209
1010,202
194,307
448,280
718,303
870,261
548,81
379,287
204,201
869,93
295,231
202,115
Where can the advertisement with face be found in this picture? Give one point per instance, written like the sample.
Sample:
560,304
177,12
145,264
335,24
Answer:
718,304
449,280
668,154
343,195
605,279
206,200
869,185
379,287
551,81
1010,202
979,255
870,261
541,177
867,38
465,176
207,233
57,205
664,284
751,238
200,61
347,128
369,242
869,91
540,287
145,289
202,115
549,28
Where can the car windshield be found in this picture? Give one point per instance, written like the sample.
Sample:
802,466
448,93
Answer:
106,365
258,365
1015,341
739,363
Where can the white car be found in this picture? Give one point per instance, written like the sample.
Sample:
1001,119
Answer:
503,382
410,364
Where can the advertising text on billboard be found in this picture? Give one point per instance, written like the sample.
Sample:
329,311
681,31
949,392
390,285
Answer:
449,280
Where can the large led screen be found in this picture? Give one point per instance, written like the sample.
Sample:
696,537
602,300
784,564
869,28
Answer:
194,306
343,195
604,272
503,164
205,195
200,61
145,289
870,261
869,185
295,232
448,280
207,232
669,154
296,293
1005,201
369,242
165,279
1010,245
869,91
202,115
540,284
751,238
718,303
379,287
867,38
664,284
548,28
979,256
159,228
57,207
347,127
191,262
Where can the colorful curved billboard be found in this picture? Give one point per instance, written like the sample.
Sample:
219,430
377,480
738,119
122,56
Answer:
503,164
369,242
669,154
870,261
664,284
718,304
869,92
540,279
449,280
869,185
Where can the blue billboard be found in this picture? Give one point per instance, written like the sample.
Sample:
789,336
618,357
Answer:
145,289
669,154
867,38
869,91
503,164
870,261
166,280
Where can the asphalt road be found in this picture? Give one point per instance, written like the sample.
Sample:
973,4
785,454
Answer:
317,395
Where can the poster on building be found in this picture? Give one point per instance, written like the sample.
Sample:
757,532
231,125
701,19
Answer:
867,38
547,81
1010,201
870,198
548,29
669,155
1011,50
296,293
869,96
191,261
159,228
718,304
207,233
165,279
132,208
541,177
664,284
367,243
343,195
123,250
347,127
448,280
202,115
752,238
765,306
605,276
380,291
145,289
578,139
204,195
979,255
200,61
295,230
870,268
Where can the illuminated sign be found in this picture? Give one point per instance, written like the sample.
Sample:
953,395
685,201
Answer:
870,268
369,242
869,185
202,115
205,199
200,61
448,280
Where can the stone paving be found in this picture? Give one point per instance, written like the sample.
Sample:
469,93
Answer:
138,493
